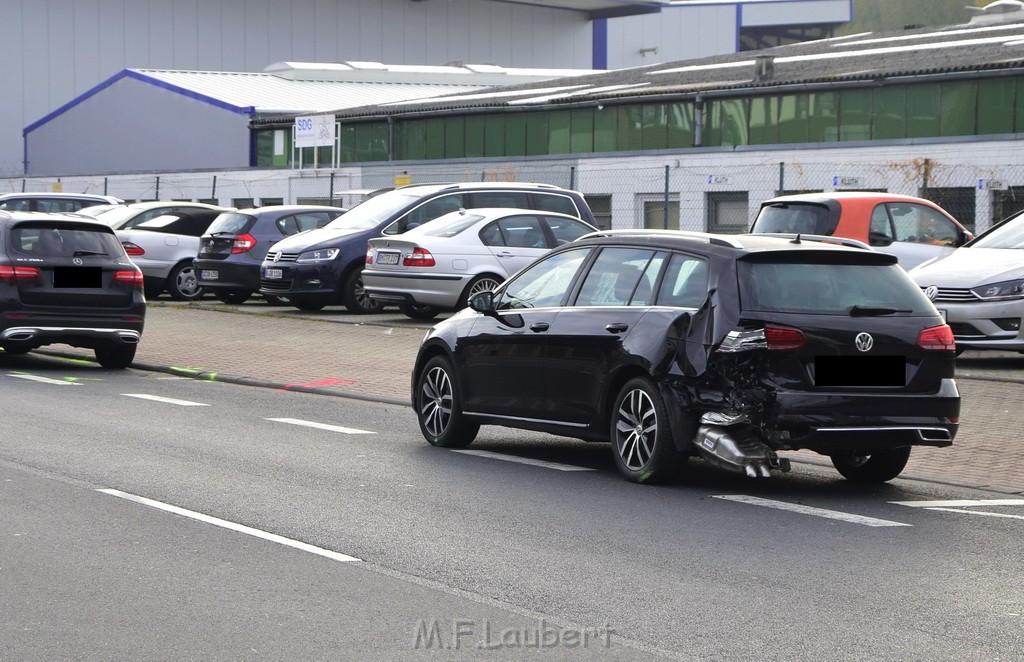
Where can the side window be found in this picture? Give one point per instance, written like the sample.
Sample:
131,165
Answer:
15,205
491,235
922,225
57,206
523,232
686,282
561,204
619,277
880,232
288,225
431,209
306,221
545,283
566,229
503,199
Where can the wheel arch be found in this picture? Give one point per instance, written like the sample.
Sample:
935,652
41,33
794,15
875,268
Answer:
682,425
429,351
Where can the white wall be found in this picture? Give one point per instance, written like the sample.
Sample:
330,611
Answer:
678,33
55,50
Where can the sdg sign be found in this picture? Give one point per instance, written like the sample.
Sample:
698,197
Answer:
314,131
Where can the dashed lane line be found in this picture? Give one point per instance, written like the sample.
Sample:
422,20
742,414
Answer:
978,512
809,510
44,380
170,401
524,460
232,526
960,503
320,426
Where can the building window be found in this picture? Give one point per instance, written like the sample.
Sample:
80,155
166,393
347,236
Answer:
655,217
1007,203
728,212
601,205
957,200
243,203
266,202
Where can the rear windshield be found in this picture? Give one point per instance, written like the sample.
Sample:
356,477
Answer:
830,289
231,223
795,218
63,241
448,226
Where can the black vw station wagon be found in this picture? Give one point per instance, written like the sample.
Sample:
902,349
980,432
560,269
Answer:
68,281
672,344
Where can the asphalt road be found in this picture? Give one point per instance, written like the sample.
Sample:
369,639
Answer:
338,533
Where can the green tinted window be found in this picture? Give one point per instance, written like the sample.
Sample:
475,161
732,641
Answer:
264,148
536,134
434,139
764,126
494,135
922,111
347,140
823,123
582,130
411,140
455,137
604,130
1019,106
793,118
889,118
559,123
680,125
958,108
475,130
628,135
855,115
654,134
515,134
996,97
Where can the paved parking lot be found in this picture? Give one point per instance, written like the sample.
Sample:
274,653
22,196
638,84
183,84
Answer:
371,357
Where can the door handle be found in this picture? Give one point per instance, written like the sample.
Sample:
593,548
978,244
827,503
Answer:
617,327
538,327
504,254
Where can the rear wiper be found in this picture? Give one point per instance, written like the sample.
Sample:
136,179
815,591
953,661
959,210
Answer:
222,234
867,311
81,253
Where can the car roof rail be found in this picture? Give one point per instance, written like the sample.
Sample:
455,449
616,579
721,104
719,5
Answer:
713,239
799,237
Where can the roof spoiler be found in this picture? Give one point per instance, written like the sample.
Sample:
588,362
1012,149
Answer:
800,237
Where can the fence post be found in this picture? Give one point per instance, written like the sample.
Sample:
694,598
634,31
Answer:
782,178
572,178
213,190
331,197
158,187
105,186
665,217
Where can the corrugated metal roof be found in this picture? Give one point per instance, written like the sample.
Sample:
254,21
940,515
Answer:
864,58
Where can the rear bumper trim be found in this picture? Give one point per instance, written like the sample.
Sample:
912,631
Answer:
36,333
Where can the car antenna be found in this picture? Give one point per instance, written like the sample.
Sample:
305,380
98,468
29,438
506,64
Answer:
797,240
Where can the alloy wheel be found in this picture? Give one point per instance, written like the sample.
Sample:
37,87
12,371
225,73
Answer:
636,429
436,401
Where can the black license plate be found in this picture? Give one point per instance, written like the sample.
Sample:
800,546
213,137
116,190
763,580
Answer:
860,371
78,277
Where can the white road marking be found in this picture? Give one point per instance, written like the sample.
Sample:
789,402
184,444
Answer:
321,426
809,510
239,528
524,460
44,380
978,512
961,503
170,401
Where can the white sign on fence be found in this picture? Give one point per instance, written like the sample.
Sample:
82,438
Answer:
847,182
314,131
992,185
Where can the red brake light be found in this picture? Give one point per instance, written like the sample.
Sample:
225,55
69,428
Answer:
937,338
14,274
419,257
243,243
132,249
130,277
784,337
369,255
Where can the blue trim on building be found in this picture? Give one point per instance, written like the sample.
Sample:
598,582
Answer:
739,27
600,46
128,73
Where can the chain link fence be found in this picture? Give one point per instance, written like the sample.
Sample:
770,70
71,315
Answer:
719,192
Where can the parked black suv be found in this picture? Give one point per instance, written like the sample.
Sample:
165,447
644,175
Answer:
324,267
671,344
68,281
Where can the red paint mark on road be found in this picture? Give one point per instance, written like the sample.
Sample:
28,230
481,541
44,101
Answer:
323,382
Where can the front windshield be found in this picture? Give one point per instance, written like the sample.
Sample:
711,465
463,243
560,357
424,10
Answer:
371,213
1007,235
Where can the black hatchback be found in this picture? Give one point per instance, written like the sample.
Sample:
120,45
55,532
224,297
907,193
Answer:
671,344
68,281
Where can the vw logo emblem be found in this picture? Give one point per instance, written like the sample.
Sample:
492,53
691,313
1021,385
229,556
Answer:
864,342
931,292
77,261
277,256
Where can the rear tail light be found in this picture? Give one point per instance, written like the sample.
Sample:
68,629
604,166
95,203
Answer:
369,255
419,257
784,337
15,274
131,277
132,249
243,243
937,338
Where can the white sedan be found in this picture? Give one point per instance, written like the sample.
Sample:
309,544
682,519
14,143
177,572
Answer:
441,264
164,248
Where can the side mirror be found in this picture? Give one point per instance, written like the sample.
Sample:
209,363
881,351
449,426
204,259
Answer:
964,237
482,302
879,239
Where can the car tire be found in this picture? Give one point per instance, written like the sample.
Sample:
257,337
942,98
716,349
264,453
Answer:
875,467
417,312
115,356
232,296
642,443
182,283
306,304
354,297
481,283
439,406
151,291
17,350
275,301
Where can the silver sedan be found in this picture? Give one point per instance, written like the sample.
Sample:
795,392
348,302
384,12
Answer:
440,264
